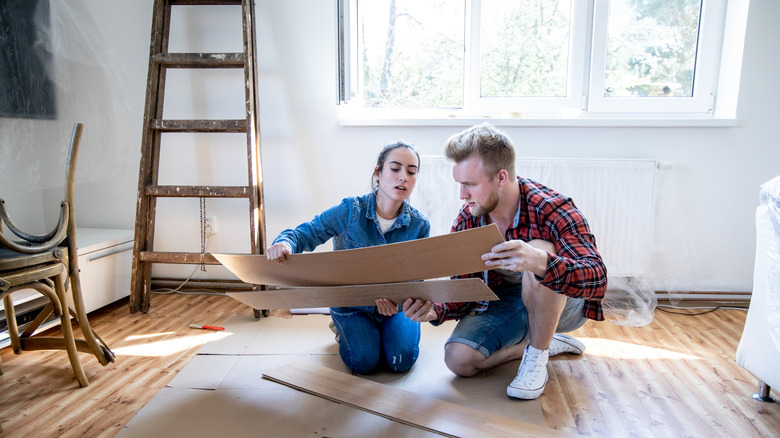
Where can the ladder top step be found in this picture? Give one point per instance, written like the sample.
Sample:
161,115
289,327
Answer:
184,191
205,2
200,60
238,125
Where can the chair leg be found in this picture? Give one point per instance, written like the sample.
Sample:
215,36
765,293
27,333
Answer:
763,393
13,329
67,333
99,348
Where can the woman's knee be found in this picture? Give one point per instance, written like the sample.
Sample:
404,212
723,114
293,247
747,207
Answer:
401,362
362,361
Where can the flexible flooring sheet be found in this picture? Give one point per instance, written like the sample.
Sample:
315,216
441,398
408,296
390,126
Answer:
422,259
437,291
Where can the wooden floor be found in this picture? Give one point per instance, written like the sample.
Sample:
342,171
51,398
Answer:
673,378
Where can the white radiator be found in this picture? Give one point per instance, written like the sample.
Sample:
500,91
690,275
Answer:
616,196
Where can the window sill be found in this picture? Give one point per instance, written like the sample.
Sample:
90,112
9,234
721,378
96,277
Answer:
579,122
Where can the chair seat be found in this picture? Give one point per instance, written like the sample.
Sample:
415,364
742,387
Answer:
12,260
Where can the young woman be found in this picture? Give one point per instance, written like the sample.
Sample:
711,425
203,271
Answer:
369,336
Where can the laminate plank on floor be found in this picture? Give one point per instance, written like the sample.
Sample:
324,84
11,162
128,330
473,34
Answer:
427,413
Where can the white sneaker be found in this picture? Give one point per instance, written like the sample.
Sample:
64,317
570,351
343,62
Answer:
335,331
531,376
565,344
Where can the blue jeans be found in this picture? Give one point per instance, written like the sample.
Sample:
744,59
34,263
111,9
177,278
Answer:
368,339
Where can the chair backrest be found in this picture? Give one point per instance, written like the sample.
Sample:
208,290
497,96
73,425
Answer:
34,243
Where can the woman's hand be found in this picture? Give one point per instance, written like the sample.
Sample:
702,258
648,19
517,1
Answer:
278,252
386,307
419,310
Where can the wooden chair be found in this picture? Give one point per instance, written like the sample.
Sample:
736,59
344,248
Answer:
47,263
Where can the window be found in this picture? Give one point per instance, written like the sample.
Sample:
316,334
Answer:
546,58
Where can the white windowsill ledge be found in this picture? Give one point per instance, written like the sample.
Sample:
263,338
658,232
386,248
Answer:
356,116
544,122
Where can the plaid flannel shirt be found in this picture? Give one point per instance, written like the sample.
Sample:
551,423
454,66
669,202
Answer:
576,268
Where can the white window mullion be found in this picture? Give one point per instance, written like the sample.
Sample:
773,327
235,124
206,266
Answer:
579,57
471,94
598,59
349,86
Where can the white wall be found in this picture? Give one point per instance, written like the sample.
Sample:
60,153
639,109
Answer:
310,162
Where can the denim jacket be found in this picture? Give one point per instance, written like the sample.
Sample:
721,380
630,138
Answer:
353,224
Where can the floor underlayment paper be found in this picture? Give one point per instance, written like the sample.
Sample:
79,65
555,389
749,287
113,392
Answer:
436,291
422,259
221,391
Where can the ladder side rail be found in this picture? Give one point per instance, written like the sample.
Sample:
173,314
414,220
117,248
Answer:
256,212
149,165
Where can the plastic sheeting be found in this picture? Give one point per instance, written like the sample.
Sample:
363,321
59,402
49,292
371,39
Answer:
55,71
770,233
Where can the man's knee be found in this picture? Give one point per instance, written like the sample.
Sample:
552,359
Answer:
461,359
543,244
531,284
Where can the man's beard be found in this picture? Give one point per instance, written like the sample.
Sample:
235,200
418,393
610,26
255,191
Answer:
490,204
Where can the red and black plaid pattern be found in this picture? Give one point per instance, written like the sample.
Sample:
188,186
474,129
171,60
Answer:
576,268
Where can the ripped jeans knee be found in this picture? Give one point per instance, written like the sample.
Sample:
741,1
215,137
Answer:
368,339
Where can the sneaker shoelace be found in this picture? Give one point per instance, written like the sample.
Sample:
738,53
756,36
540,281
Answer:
529,370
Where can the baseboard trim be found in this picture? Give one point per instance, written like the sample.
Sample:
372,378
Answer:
704,298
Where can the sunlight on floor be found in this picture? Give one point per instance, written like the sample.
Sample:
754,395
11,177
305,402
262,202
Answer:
167,347
151,335
626,350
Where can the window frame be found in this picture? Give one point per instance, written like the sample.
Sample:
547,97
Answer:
709,44
586,61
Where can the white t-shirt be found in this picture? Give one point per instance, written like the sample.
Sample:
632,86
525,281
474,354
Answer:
385,224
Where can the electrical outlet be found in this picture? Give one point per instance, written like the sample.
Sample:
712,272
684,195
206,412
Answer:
211,225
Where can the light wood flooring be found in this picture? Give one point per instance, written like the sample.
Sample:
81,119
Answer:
673,378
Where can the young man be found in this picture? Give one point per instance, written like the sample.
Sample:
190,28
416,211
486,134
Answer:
548,273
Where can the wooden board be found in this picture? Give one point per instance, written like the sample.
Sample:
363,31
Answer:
422,259
427,413
437,291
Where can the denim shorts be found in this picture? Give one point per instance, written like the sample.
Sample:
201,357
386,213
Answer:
505,322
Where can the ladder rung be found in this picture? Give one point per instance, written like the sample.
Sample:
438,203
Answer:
176,257
200,60
205,2
199,125
206,283
198,191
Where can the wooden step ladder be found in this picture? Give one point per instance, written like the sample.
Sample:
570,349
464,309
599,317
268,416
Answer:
155,125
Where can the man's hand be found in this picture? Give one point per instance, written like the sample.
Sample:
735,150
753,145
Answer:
516,255
419,310
278,252
386,307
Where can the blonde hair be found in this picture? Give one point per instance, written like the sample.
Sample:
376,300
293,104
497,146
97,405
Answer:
488,143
